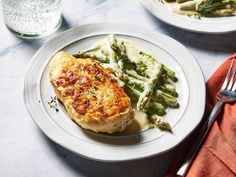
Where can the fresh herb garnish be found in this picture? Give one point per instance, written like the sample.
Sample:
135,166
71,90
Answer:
142,64
141,67
93,94
53,103
94,86
196,16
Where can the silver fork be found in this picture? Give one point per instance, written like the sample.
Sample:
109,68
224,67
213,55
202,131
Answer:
227,94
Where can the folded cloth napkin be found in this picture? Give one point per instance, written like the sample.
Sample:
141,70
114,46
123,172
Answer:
217,156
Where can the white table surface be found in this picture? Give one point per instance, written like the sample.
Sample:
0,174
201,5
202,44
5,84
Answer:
25,151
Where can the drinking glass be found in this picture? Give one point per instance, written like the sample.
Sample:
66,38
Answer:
32,18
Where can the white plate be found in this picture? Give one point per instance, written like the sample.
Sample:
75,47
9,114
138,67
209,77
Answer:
58,127
204,25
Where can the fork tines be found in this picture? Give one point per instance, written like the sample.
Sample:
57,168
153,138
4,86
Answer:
230,85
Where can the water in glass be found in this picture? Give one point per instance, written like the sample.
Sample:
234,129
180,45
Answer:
32,18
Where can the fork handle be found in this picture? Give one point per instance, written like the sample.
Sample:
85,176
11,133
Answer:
205,129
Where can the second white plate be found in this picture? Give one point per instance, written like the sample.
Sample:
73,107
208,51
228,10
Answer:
57,125
214,25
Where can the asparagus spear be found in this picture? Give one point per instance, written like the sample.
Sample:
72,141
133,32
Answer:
158,95
116,62
118,47
182,1
149,87
169,73
134,74
154,107
165,99
150,59
161,123
95,53
168,88
135,83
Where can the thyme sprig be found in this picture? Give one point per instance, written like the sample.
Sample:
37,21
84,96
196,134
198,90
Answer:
53,103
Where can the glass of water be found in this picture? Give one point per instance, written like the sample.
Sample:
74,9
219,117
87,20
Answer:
32,18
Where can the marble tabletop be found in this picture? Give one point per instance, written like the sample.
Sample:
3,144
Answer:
25,151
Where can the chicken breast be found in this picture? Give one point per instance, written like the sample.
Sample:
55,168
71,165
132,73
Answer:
90,94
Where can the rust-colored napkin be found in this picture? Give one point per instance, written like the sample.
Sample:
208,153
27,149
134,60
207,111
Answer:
217,156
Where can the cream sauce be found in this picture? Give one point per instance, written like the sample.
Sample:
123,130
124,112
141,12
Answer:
140,123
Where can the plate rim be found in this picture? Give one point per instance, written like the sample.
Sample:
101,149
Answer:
150,5
28,107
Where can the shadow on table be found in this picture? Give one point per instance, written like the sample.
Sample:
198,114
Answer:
150,167
209,42
36,43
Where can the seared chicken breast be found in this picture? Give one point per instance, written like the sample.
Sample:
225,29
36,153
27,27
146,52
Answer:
91,95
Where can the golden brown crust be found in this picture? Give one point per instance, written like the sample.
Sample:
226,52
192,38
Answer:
89,92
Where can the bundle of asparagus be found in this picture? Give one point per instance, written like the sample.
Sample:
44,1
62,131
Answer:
149,83
209,8
216,7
